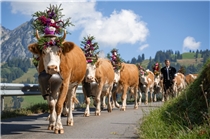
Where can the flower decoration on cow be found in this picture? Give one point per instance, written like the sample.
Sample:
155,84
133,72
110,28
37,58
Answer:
156,69
115,59
90,49
49,24
142,71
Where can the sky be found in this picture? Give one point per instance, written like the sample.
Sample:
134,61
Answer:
132,27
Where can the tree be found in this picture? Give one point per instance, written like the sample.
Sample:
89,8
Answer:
133,60
143,57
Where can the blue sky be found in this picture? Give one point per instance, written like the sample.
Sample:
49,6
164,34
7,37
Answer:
133,27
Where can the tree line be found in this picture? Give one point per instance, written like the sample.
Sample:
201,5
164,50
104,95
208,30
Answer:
161,56
14,68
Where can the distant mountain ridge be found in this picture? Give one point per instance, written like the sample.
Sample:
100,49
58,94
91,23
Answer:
14,43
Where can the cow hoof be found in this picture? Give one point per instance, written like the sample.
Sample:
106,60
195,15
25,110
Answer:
135,107
70,123
97,113
109,110
57,131
50,127
86,115
122,109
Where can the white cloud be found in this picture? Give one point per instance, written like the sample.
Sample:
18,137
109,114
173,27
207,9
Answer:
121,27
143,47
189,43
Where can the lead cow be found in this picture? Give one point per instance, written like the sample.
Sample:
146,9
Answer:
69,61
98,82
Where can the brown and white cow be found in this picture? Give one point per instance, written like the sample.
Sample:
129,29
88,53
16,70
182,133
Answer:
129,79
179,84
70,62
190,78
146,85
99,79
158,86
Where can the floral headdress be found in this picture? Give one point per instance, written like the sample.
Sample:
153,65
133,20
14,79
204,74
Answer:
156,69
142,70
90,49
115,59
49,24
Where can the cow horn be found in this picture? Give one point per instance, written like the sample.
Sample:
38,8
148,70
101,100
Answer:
64,36
37,35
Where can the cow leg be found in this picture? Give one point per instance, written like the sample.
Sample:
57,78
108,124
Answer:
59,107
146,95
124,98
52,117
109,108
114,99
104,106
71,98
163,94
140,97
87,110
135,97
151,94
86,93
98,99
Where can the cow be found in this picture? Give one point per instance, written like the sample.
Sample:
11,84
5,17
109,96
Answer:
98,82
69,61
128,80
179,84
146,85
190,78
158,86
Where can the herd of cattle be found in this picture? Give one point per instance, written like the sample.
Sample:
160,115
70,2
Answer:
99,81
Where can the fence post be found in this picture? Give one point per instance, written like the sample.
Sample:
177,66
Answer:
2,103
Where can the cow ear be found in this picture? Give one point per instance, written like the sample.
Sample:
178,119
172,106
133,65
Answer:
67,47
121,69
98,63
34,48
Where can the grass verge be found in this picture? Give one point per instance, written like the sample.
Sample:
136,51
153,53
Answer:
186,117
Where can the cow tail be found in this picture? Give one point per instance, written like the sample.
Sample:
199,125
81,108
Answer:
75,100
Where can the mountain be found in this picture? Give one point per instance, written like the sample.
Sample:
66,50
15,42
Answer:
14,43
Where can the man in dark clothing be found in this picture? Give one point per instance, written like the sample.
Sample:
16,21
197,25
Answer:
168,73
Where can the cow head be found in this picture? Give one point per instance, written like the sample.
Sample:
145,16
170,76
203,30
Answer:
157,80
143,76
90,73
51,55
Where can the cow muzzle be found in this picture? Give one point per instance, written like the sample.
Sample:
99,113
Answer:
52,69
90,79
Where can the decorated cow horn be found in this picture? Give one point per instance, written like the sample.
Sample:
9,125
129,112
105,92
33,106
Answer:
64,36
37,35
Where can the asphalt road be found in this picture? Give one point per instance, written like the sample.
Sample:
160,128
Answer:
117,124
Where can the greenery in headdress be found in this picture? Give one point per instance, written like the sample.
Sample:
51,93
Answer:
45,42
90,49
142,70
115,59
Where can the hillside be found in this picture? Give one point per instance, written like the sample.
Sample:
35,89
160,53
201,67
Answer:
187,116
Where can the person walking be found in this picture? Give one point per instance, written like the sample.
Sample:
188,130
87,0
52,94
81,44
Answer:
168,74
